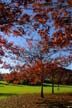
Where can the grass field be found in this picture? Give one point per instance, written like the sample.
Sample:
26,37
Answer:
8,90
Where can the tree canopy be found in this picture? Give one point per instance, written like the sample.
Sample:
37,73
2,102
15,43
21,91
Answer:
44,25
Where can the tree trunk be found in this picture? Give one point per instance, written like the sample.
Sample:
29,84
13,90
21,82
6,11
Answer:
52,83
58,86
52,87
42,94
42,80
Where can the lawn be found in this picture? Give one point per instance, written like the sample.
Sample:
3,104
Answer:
8,90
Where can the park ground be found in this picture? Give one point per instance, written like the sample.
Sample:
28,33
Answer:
10,89
23,96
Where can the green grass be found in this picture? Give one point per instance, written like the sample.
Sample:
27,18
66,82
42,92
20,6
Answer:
8,90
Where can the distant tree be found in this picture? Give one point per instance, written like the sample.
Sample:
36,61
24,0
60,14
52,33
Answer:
1,77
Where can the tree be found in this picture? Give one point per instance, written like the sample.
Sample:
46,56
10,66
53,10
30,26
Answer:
50,20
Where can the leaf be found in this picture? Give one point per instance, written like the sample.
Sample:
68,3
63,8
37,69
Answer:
1,7
29,42
1,61
1,53
10,44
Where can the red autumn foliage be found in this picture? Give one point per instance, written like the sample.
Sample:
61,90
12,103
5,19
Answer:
52,23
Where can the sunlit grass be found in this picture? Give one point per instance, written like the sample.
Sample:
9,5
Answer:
8,90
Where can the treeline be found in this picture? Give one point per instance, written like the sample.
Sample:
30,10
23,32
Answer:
32,75
22,78
28,74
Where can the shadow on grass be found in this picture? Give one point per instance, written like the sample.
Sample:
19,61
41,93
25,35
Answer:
2,86
6,94
56,85
45,85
